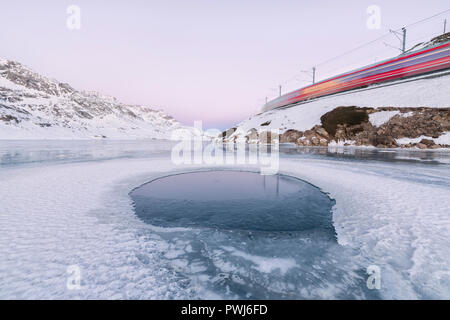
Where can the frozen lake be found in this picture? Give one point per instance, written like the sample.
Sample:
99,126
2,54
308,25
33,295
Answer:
68,203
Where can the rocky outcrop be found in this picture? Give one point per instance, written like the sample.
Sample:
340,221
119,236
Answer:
317,136
290,136
268,137
18,74
349,116
414,123
252,136
407,123
227,134
363,127
351,125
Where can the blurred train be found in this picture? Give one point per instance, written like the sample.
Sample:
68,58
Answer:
414,63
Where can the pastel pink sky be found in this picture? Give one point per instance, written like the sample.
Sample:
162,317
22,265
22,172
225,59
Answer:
213,60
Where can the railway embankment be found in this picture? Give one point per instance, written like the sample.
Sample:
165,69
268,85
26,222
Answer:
386,127
410,114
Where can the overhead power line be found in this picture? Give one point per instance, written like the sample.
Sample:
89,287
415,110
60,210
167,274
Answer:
401,31
426,19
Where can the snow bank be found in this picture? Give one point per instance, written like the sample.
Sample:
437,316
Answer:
379,118
442,139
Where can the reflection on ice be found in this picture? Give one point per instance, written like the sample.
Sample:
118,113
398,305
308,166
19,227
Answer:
56,151
17,152
369,153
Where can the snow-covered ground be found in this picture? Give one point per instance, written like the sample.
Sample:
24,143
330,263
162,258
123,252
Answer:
432,92
54,215
379,118
443,139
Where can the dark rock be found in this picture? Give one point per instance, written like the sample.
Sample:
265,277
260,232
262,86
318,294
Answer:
226,134
314,140
268,137
9,118
343,116
321,131
421,146
383,140
252,135
323,142
290,136
427,142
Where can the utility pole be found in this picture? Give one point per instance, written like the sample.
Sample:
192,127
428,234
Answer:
404,40
280,90
309,73
314,75
445,25
266,100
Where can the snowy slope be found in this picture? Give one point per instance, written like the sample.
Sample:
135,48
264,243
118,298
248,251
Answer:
35,107
427,92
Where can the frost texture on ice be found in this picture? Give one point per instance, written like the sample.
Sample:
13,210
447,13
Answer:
264,264
398,219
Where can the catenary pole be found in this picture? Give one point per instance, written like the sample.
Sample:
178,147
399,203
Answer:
404,40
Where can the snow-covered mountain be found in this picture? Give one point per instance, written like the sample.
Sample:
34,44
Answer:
35,107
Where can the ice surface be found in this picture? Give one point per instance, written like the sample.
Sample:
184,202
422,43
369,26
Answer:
60,213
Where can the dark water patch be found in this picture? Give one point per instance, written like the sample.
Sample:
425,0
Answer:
234,201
